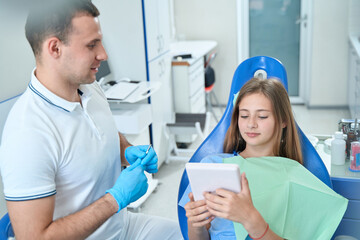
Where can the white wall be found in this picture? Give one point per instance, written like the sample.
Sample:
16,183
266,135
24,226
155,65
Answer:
354,17
123,58
211,20
328,85
16,57
202,19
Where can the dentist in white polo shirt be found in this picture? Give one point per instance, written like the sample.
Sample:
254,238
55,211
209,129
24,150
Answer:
61,154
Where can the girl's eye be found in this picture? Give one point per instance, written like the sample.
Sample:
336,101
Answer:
263,117
244,116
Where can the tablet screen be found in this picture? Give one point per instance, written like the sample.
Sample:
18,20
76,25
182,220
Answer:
207,177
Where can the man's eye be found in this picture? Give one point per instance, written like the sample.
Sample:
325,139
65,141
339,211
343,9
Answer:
91,46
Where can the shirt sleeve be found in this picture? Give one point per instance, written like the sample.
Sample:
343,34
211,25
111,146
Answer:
209,159
28,165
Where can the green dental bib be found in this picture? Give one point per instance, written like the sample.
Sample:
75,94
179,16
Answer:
295,203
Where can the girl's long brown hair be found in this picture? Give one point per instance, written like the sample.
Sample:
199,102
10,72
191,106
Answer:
287,142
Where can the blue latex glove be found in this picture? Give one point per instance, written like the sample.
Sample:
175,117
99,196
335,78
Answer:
149,161
130,185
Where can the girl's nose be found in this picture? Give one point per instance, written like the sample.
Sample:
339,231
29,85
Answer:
252,123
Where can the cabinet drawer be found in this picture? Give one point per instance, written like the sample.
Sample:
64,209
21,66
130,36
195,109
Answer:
349,227
357,81
198,82
357,62
195,74
353,210
349,188
197,102
199,64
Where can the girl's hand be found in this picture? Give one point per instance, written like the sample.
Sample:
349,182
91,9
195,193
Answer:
197,213
235,207
239,208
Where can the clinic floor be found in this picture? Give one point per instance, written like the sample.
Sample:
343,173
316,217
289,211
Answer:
163,202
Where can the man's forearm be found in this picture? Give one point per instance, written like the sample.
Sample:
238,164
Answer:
84,222
123,145
75,226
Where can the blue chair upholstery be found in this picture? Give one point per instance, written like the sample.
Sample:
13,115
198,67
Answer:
213,143
6,230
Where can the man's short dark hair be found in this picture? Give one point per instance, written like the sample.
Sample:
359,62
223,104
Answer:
53,18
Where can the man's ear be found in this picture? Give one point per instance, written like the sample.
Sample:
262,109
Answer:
53,47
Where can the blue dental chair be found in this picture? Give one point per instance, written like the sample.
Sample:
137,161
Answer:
263,67
6,230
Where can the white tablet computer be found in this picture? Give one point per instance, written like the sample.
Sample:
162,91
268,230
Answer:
207,177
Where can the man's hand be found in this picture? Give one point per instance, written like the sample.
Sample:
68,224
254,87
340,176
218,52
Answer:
149,161
130,185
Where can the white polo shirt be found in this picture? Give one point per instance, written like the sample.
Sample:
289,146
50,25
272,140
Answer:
52,146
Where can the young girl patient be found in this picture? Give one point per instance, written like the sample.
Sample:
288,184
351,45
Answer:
262,125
